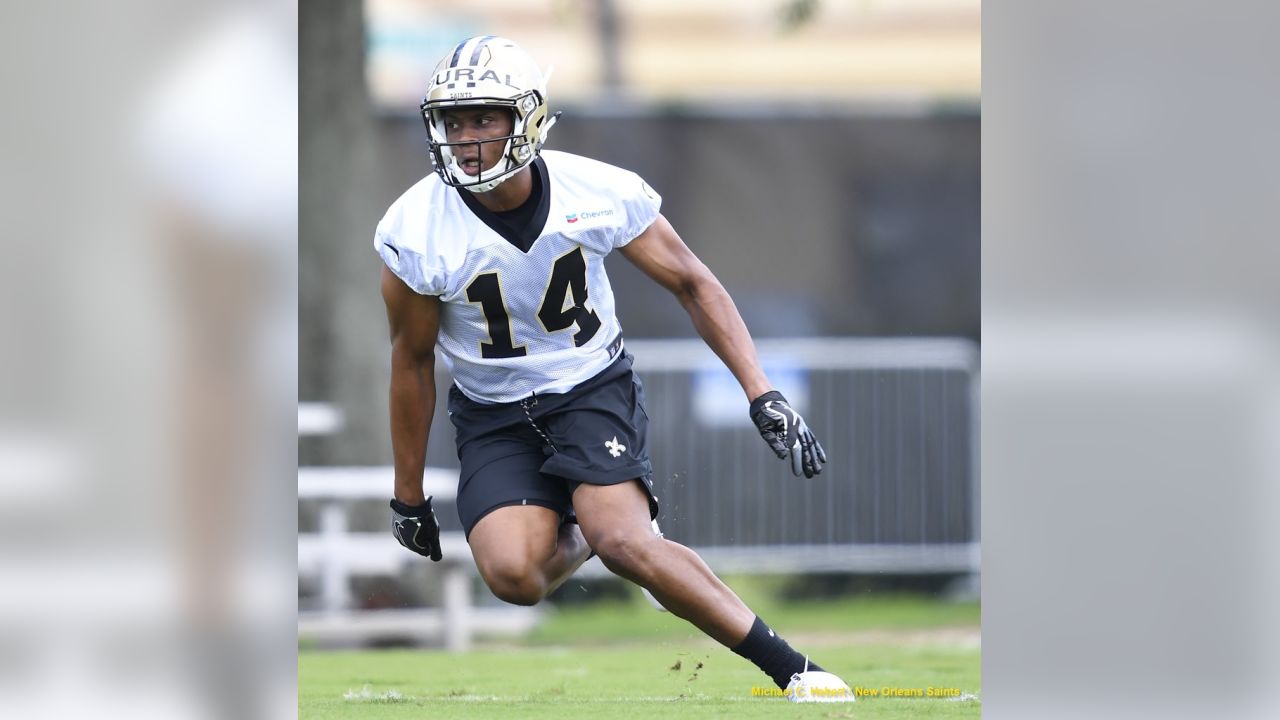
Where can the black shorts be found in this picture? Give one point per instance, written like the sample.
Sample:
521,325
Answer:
538,450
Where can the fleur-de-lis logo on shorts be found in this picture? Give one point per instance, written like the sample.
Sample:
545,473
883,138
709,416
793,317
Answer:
615,447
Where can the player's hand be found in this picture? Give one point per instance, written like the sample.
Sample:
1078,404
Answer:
787,434
416,528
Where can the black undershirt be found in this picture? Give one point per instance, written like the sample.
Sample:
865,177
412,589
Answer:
519,226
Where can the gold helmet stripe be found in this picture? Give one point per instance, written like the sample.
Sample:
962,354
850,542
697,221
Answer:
477,44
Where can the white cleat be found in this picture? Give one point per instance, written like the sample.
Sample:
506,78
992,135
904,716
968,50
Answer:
818,686
648,595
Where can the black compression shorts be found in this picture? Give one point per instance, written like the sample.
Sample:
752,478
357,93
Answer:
538,450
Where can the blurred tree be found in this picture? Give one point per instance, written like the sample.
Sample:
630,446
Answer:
796,13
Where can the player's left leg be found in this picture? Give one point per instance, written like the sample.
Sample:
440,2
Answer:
615,521
598,434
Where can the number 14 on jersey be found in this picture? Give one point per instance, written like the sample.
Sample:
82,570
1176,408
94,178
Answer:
568,281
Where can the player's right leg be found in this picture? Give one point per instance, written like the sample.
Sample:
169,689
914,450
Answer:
512,514
524,552
514,519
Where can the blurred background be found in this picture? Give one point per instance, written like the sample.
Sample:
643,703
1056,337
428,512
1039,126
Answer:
822,157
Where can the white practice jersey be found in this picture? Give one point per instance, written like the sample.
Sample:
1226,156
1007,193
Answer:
516,323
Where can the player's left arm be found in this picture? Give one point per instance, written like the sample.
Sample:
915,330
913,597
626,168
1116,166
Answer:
662,255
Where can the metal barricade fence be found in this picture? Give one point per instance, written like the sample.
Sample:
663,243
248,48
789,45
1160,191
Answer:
897,417
899,494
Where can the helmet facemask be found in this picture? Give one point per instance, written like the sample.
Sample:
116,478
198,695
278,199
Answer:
518,151
495,72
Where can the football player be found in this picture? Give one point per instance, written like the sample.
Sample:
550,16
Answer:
496,262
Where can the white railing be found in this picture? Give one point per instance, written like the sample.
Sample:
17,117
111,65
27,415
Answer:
319,419
335,554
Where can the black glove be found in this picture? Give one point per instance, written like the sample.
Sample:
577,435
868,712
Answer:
416,528
785,431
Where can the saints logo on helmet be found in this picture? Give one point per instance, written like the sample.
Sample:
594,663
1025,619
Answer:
487,71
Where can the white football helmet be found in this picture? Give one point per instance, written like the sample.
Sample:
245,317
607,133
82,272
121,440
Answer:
487,70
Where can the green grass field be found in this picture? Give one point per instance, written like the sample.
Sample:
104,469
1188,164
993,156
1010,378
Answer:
624,660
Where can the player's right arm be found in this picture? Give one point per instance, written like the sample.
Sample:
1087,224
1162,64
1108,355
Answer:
414,321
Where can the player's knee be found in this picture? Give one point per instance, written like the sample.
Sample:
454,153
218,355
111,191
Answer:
627,554
521,592
514,584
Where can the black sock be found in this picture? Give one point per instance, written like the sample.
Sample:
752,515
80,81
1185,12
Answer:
772,654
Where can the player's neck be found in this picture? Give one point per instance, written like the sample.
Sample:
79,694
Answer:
509,195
